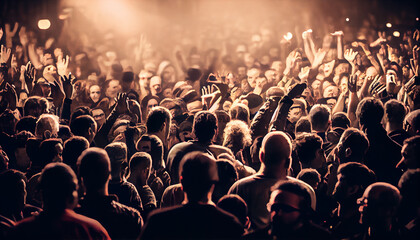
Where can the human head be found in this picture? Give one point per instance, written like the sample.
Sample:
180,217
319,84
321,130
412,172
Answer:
95,93
237,135
369,112
412,122
310,176
253,74
73,148
12,192
395,112
47,126
99,115
409,186
7,122
410,153
352,180
352,146
94,169
27,123
297,110
303,125
308,148
320,115
117,152
112,88
239,111
58,185
289,206
155,85
140,166
35,106
51,150
379,204
159,120
198,173
84,126
236,206
275,153
205,126
227,176
152,145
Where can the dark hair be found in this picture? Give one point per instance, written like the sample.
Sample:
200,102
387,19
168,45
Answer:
10,184
303,125
357,141
94,167
198,172
140,159
27,123
156,150
355,173
341,120
80,126
239,111
57,184
370,111
297,187
80,111
319,116
47,150
39,104
409,186
395,111
157,117
205,125
235,205
305,146
73,147
309,174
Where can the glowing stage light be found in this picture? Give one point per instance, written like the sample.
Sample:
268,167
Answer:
44,24
347,19
417,19
389,25
288,36
396,34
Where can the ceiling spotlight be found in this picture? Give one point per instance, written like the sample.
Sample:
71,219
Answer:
396,34
288,36
347,19
44,24
389,25
417,19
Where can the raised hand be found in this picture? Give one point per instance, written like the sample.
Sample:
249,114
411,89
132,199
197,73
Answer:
62,65
376,87
303,74
307,34
337,33
122,104
1,33
10,33
210,95
352,83
319,57
297,90
23,36
68,85
350,55
13,63
4,54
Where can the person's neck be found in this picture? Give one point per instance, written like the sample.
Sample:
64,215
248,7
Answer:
103,191
271,173
137,181
161,136
347,210
391,127
206,200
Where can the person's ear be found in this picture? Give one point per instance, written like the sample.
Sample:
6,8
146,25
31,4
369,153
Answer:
163,126
287,163
348,152
262,156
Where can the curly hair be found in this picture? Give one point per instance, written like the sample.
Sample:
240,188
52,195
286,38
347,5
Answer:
237,135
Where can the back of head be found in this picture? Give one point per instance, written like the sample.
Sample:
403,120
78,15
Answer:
205,126
117,153
319,117
295,187
412,120
58,185
355,173
47,126
140,160
340,120
94,168
357,143
235,205
237,135
35,106
49,152
80,111
276,150
12,191
73,147
303,125
156,118
27,123
82,125
239,111
310,176
409,186
198,172
305,146
369,112
384,197
395,111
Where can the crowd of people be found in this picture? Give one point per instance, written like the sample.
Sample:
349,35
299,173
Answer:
263,137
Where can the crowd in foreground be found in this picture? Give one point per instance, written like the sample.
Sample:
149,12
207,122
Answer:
217,143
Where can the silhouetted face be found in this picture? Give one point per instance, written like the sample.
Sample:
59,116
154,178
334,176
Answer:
95,93
409,157
295,114
144,146
252,77
168,75
285,211
151,104
99,116
155,85
340,190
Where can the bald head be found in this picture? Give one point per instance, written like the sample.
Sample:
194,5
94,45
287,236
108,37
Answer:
276,149
384,193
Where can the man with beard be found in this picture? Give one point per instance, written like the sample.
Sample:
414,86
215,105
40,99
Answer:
353,178
290,211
